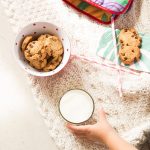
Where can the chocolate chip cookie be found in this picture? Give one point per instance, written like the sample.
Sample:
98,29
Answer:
38,64
45,53
53,64
43,37
25,42
129,54
35,51
129,37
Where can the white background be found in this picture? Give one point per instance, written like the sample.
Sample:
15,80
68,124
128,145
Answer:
21,126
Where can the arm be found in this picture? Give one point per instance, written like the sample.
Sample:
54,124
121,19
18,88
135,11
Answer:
114,142
101,131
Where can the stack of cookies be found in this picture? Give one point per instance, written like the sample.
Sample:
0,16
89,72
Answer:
130,43
45,53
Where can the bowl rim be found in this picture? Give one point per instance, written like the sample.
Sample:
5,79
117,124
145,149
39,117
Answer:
40,73
92,106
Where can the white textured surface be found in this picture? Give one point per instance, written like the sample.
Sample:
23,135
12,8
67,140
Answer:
128,115
21,125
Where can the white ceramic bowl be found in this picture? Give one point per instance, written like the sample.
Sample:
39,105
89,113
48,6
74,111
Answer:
36,29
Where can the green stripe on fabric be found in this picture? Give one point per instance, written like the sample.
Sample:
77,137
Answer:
83,5
112,57
145,43
107,51
146,61
107,36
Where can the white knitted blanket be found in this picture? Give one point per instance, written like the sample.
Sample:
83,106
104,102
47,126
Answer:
129,115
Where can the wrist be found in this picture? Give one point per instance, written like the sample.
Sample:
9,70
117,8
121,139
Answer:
107,136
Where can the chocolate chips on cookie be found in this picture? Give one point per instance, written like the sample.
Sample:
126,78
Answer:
129,37
129,54
130,41
45,53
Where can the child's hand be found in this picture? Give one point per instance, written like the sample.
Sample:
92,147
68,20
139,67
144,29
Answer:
96,132
101,131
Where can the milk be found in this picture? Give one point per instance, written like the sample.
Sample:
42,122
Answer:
76,106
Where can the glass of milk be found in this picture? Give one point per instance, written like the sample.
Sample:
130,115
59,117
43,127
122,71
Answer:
76,106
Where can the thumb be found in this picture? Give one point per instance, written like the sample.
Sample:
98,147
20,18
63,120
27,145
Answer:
102,115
